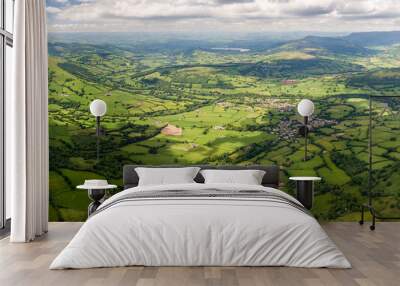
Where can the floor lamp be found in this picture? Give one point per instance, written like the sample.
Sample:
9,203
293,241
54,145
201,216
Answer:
305,109
369,205
98,108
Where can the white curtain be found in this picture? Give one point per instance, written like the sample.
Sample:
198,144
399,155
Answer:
27,124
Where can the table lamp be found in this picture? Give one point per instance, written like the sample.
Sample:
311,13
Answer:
98,108
305,109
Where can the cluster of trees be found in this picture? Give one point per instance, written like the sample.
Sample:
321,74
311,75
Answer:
350,163
294,68
64,103
383,80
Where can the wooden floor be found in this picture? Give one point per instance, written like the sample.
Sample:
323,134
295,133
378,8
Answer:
375,257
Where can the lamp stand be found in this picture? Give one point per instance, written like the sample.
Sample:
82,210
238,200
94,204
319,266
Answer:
369,206
98,138
305,137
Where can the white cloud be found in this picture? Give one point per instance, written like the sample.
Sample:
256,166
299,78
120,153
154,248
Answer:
369,9
222,14
53,10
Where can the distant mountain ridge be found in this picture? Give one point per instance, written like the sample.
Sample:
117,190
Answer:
354,44
366,39
324,46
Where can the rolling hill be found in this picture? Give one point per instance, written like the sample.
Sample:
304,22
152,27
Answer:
366,39
325,46
295,68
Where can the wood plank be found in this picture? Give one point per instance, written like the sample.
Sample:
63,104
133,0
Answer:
375,257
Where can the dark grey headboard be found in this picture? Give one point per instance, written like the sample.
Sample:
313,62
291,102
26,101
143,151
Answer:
271,178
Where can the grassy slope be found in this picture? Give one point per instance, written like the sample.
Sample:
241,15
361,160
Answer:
211,133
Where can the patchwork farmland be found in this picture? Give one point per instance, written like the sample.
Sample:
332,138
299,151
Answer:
200,105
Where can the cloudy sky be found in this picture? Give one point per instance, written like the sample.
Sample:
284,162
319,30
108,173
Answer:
223,15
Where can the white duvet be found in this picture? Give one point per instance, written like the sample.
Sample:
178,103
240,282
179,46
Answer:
200,231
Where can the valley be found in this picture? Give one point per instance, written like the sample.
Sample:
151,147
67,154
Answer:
212,102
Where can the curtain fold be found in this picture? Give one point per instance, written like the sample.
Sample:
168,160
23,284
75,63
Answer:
27,152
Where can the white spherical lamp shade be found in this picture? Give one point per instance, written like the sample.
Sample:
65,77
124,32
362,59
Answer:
305,107
98,107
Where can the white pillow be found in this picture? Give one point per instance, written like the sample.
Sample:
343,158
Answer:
248,177
166,176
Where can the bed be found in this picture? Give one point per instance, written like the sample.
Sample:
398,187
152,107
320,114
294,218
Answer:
197,224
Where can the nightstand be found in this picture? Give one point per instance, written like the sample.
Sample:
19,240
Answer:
96,191
305,190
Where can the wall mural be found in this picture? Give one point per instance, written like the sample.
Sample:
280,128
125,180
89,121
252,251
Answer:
223,98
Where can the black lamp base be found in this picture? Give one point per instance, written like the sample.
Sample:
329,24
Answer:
374,214
96,195
305,193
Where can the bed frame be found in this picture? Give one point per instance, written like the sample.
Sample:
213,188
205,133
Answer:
271,177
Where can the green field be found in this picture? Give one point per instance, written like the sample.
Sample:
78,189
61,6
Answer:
229,108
